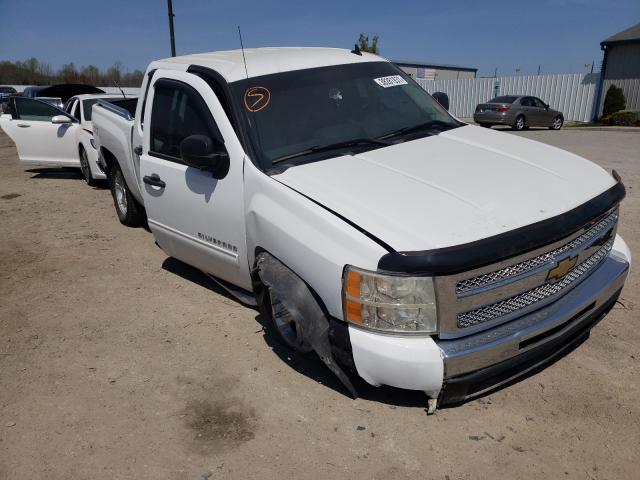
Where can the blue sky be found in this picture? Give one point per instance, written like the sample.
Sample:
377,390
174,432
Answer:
559,35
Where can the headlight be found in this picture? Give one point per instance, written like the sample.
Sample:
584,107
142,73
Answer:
389,303
93,143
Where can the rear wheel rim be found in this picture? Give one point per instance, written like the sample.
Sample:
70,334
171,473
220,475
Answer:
120,193
557,123
520,123
84,166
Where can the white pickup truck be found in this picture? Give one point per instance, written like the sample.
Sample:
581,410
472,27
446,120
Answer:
366,222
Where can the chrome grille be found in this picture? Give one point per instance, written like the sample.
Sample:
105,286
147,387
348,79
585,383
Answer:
467,286
528,299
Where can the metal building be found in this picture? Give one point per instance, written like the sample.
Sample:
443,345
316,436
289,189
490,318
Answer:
435,71
622,54
621,67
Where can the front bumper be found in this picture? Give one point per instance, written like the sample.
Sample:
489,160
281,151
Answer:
454,370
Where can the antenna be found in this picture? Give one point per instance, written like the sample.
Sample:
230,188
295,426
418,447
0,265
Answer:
243,57
246,71
121,91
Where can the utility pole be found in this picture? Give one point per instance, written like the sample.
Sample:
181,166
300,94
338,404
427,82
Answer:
171,35
538,69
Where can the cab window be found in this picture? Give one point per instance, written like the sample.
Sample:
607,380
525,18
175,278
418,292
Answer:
177,112
30,109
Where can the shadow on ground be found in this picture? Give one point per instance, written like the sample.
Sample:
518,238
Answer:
56,173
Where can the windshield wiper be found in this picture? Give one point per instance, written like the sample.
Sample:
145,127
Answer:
430,125
374,142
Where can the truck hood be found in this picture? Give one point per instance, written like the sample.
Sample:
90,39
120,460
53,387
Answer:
463,185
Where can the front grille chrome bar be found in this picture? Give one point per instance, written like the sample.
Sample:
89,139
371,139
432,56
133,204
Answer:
534,298
482,282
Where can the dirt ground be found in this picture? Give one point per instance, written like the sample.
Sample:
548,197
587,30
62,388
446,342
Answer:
118,363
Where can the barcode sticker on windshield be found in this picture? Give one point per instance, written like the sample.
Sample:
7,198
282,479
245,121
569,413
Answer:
391,81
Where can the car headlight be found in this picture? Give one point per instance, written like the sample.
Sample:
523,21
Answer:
389,303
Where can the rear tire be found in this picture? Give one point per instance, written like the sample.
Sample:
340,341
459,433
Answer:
485,125
85,168
557,123
129,211
520,123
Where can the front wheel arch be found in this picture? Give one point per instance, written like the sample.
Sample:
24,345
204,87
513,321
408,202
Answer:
88,176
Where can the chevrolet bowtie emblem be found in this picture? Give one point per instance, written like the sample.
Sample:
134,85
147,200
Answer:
562,268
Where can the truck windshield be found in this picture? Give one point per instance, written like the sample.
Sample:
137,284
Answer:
311,114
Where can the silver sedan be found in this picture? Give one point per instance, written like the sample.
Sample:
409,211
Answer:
518,111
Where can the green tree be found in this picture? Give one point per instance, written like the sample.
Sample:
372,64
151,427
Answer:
90,74
365,46
614,101
68,73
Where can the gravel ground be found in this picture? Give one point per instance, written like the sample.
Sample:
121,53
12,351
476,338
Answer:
116,362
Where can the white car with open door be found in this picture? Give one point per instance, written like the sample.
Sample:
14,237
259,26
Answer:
46,135
43,134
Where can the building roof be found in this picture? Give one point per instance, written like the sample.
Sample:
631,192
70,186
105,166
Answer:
440,66
631,34
268,60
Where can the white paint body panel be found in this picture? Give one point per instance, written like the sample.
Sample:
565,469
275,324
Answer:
264,61
413,363
311,241
85,134
194,203
457,187
43,143
113,132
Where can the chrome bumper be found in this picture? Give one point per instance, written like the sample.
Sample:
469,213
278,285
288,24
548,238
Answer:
534,331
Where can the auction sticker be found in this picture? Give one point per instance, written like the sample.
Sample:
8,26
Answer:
391,81
256,98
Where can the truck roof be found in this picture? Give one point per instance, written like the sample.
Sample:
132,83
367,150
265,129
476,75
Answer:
267,60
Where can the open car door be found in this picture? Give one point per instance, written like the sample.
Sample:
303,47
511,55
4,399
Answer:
43,134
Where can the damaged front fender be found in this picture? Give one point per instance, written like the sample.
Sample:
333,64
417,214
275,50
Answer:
286,288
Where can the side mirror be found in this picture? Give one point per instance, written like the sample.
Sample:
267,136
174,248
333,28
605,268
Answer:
442,98
205,153
61,120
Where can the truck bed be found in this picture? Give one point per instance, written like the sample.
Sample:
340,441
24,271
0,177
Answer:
113,124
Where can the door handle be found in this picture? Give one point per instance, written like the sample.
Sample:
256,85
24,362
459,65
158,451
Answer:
23,125
138,150
154,180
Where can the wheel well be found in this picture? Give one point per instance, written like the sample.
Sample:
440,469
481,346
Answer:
109,159
254,276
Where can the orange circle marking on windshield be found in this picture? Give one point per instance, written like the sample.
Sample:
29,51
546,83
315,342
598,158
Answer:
256,98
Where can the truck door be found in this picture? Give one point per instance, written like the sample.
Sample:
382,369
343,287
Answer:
193,216
37,139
